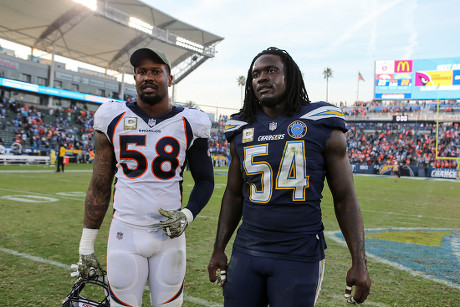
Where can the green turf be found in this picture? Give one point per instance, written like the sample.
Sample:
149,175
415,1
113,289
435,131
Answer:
51,231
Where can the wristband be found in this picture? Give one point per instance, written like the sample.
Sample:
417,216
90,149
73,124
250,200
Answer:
188,215
88,237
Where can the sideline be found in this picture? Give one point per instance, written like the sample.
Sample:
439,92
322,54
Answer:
188,298
224,172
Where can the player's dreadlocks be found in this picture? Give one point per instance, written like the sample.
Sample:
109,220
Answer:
296,94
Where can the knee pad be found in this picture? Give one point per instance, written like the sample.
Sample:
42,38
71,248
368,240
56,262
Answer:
172,267
121,270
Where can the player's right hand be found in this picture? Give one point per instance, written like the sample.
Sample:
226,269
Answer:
89,267
358,277
218,261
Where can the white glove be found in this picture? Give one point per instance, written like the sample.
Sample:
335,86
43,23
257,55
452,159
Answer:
176,223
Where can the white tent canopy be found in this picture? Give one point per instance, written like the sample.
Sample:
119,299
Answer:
107,35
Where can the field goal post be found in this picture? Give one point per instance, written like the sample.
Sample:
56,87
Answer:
437,143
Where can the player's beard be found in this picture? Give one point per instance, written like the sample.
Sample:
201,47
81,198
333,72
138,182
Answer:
151,99
271,102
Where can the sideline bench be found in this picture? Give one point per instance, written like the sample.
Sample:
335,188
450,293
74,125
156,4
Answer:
23,159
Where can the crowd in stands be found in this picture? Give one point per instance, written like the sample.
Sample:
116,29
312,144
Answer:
400,107
46,129
408,144
374,143
218,145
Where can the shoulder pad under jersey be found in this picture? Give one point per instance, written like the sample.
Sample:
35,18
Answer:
322,110
233,127
199,121
106,113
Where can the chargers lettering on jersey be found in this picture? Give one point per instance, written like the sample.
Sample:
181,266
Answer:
275,137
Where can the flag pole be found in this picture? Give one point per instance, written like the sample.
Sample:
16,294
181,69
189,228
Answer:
360,78
357,91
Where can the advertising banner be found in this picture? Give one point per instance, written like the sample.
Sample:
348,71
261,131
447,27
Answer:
53,91
449,173
426,79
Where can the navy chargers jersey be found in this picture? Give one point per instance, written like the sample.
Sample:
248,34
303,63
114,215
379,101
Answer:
282,165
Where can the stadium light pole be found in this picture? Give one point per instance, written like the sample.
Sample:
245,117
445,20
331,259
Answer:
122,84
51,78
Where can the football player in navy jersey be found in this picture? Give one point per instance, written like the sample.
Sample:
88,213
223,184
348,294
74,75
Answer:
145,145
283,148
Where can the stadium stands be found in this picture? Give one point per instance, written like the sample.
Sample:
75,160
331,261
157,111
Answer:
381,132
407,143
37,130
371,142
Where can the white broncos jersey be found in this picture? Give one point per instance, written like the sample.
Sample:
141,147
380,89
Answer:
150,154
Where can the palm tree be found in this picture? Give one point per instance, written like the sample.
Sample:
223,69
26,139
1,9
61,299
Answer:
327,74
190,104
241,82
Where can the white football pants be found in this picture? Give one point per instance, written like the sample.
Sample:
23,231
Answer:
136,255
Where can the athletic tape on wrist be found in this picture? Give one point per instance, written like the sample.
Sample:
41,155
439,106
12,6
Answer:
88,237
188,215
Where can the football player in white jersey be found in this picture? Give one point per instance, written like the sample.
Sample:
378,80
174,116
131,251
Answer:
145,145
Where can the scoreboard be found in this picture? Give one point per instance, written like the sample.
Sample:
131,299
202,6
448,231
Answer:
422,79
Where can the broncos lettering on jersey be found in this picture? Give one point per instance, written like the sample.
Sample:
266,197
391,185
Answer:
150,155
282,165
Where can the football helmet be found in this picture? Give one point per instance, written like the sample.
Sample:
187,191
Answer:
97,288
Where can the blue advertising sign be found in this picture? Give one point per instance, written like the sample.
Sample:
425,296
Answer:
53,91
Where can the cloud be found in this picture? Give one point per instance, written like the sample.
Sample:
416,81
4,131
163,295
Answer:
367,17
411,28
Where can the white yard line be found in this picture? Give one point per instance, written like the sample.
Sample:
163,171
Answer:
188,298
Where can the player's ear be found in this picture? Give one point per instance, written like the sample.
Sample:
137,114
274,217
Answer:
170,80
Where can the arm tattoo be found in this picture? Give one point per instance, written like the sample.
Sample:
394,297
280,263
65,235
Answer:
99,191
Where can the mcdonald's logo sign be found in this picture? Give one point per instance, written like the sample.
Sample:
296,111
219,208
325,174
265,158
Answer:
403,66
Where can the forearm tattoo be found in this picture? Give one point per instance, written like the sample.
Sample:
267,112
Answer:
99,191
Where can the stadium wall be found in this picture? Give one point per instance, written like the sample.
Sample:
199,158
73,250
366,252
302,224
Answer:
408,171
36,71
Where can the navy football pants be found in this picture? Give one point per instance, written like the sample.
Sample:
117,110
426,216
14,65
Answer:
258,281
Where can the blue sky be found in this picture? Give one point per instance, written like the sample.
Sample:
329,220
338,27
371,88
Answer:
347,36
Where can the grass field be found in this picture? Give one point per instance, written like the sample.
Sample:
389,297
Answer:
41,219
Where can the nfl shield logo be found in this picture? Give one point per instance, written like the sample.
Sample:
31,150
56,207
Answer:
152,122
119,235
272,126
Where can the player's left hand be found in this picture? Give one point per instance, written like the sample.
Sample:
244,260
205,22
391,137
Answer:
89,267
357,276
176,223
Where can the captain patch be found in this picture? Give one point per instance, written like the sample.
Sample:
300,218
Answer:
248,135
130,123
